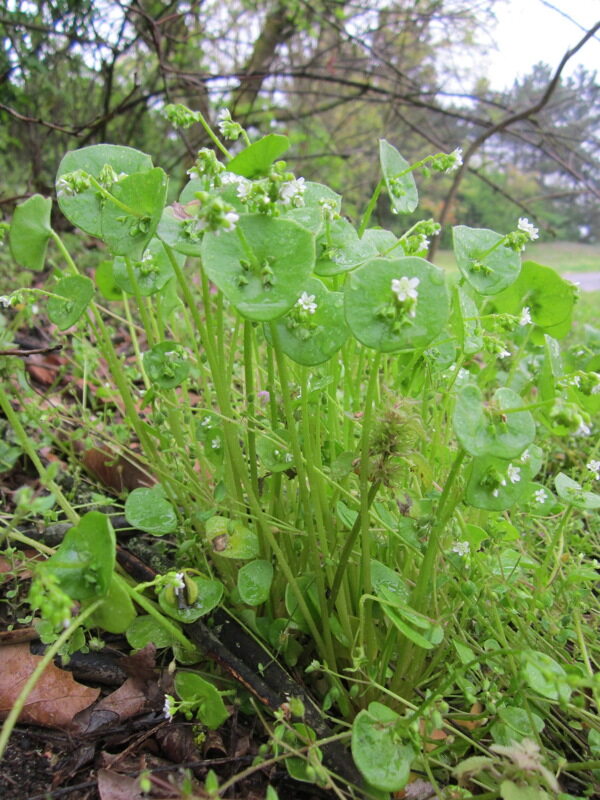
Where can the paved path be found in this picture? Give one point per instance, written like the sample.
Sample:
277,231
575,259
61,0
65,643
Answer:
589,281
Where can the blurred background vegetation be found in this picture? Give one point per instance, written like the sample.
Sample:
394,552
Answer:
333,75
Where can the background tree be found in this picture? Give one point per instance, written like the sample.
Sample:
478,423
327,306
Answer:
333,75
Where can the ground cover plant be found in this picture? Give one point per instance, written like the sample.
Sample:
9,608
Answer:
385,477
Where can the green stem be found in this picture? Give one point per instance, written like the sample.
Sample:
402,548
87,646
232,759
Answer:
419,601
370,208
29,449
64,252
250,398
37,673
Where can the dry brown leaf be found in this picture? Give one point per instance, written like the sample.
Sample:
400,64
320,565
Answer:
55,698
115,471
112,786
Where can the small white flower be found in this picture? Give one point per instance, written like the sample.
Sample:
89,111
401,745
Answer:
461,548
456,154
5,301
206,422
291,193
514,473
223,117
540,496
405,288
526,227
178,581
307,302
496,492
288,458
504,353
215,444
594,466
525,456
575,381
168,707
525,318
243,190
229,220
583,430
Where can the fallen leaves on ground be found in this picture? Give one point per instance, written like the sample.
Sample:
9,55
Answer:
55,698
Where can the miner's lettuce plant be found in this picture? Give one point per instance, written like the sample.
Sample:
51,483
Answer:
334,428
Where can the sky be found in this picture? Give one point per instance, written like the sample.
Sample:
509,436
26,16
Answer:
529,31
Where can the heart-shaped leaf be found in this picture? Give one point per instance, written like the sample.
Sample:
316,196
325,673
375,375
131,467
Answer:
210,708
230,538
571,492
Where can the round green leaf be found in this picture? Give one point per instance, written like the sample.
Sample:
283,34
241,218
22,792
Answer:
311,339
166,365
29,232
150,511
571,492
77,292
379,239
229,538
549,297
105,281
210,709
488,274
262,266
340,249
257,158
84,209
209,596
489,430
275,455
370,304
85,560
117,612
540,500
145,629
150,274
127,234
544,675
495,484
401,188
172,231
379,749
254,582
310,215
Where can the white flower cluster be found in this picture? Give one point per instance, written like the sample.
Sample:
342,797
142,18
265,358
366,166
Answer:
594,466
526,227
291,193
461,548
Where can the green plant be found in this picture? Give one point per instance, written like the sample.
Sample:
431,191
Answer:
337,435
